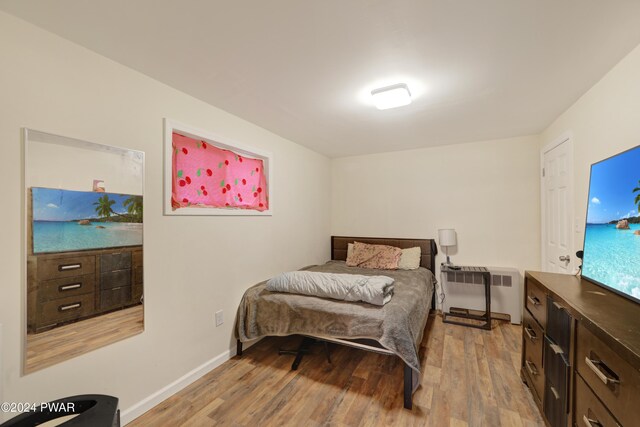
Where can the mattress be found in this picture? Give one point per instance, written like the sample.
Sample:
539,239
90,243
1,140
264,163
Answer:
397,326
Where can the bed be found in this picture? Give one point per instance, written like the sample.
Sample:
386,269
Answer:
394,329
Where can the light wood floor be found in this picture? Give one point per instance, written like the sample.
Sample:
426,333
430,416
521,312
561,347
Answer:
469,378
59,344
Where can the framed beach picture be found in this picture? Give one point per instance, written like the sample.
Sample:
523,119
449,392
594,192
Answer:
207,174
66,220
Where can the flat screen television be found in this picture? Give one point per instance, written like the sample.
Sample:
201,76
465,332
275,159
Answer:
612,231
67,220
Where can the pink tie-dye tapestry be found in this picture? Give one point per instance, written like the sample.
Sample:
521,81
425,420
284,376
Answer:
208,176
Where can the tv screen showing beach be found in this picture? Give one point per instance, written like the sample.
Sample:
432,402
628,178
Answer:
612,233
65,220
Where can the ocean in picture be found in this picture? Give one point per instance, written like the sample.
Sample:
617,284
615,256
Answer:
612,257
612,234
65,220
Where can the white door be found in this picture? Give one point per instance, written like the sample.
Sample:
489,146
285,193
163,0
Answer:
557,207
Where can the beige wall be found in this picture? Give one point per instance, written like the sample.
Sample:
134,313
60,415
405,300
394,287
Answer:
488,191
193,266
52,161
603,122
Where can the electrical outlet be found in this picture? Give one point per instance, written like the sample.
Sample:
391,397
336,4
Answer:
219,318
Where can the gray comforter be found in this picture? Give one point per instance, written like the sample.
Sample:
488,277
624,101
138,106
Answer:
398,326
376,290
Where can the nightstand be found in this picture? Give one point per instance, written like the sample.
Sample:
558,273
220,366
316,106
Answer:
472,275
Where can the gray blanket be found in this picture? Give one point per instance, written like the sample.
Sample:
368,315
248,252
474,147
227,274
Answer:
376,290
398,326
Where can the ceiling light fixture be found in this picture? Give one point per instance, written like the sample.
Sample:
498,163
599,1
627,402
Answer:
392,96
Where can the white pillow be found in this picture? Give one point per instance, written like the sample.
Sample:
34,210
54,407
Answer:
349,250
410,259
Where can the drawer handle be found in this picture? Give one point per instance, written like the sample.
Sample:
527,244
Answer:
69,307
70,287
556,348
533,300
588,422
530,333
594,365
531,368
118,288
556,395
67,267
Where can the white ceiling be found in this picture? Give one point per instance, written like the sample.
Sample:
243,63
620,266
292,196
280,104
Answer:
480,69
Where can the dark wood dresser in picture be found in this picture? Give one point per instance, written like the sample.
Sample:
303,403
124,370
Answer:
65,287
581,352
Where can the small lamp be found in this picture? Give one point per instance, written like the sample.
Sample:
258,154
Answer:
447,238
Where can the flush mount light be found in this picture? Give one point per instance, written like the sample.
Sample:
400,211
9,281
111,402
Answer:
392,96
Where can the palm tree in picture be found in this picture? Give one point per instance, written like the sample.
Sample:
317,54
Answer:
637,199
134,207
103,206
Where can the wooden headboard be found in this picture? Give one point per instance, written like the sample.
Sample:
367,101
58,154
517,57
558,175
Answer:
428,247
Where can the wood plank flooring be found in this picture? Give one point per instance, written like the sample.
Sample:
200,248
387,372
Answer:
59,344
469,378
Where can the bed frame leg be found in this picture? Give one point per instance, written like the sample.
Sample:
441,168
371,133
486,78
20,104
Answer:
238,348
408,387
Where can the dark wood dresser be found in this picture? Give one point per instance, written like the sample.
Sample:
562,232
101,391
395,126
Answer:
65,287
581,352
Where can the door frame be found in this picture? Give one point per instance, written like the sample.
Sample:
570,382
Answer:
564,138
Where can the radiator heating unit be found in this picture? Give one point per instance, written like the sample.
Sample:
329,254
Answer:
465,290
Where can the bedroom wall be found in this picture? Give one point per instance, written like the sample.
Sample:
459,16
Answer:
488,191
603,122
55,165
193,266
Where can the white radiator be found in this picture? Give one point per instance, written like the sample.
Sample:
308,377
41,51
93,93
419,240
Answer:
465,290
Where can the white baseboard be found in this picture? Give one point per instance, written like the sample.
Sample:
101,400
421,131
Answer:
149,402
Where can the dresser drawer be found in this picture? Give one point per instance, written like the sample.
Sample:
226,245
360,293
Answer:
558,324
115,298
556,372
138,275
532,349
136,290
536,302
554,407
115,279
57,268
61,288
589,411
533,338
137,266
65,309
136,258
556,392
612,379
115,261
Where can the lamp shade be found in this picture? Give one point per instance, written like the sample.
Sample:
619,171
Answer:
447,237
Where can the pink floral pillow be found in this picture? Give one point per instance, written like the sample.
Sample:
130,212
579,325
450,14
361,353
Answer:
374,256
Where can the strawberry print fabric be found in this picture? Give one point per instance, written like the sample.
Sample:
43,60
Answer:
208,176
